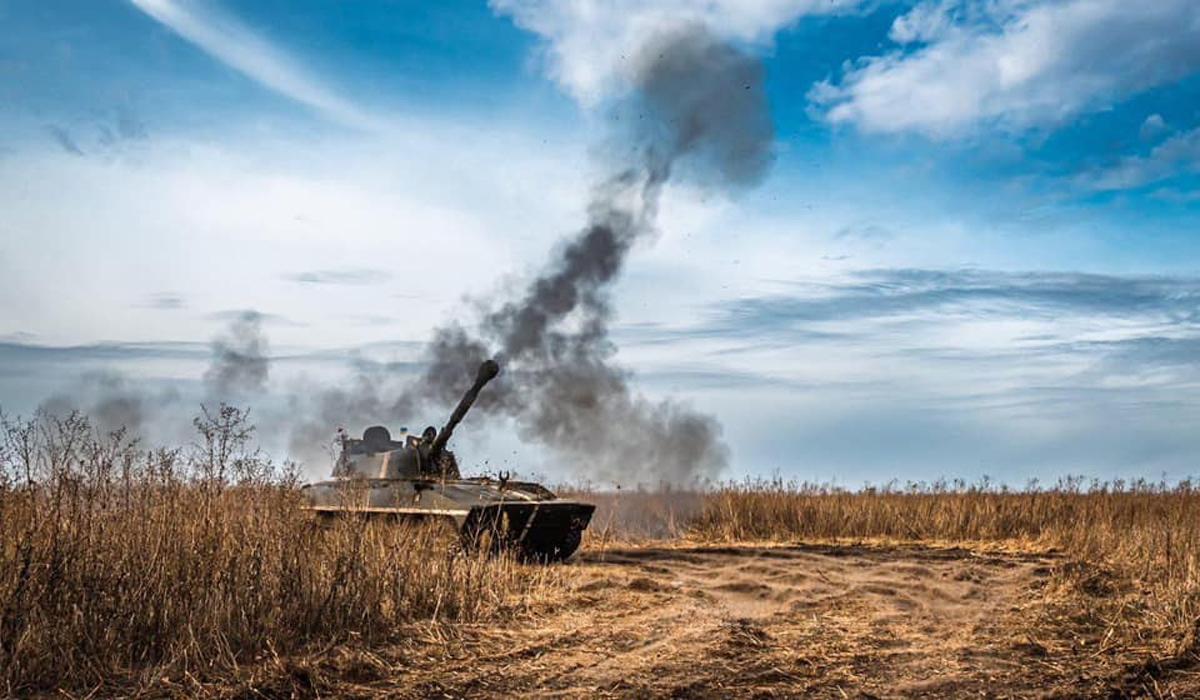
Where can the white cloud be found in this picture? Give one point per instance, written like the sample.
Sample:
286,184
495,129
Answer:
925,22
590,42
441,222
235,45
1153,127
1177,155
1014,63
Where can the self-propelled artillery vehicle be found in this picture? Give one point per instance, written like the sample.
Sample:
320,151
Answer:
417,478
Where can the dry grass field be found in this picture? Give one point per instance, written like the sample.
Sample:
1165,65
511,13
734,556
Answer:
192,573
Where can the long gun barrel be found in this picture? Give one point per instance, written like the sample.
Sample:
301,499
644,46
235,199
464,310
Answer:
487,372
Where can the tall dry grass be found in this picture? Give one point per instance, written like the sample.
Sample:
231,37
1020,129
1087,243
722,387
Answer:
120,565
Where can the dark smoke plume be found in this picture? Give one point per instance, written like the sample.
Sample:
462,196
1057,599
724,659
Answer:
240,364
699,112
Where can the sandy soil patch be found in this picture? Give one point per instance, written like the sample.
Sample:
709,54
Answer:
769,621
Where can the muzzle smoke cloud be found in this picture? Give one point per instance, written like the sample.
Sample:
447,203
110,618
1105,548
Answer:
698,112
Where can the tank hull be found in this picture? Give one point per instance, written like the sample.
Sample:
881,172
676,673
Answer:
487,514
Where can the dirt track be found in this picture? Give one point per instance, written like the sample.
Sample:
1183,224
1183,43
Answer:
800,621
823,620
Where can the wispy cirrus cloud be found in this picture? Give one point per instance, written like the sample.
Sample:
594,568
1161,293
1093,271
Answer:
957,372
937,294
65,140
162,301
234,315
341,276
1178,155
225,38
17,356
937,322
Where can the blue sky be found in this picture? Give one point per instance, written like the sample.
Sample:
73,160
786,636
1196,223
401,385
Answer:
975,252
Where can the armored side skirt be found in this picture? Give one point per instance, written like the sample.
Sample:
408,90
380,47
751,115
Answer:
539,530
